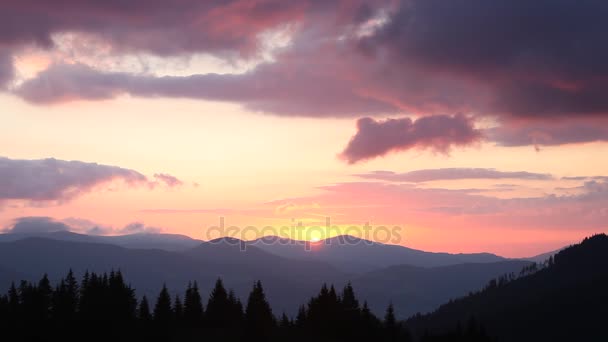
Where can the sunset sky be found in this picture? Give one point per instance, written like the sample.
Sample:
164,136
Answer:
472,125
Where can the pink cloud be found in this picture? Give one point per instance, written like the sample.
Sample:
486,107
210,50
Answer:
167,179
439,133
427,175
389,203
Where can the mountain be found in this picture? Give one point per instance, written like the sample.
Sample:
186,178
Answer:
347,253
290,283
168,242
414,289
565,301
352,254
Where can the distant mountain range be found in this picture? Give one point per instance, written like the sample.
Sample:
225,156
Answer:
347,253
565,301
356,255
289,272
168,242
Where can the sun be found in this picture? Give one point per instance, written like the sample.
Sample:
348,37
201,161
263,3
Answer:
315,236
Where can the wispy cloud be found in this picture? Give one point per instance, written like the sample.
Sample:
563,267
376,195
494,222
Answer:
427,175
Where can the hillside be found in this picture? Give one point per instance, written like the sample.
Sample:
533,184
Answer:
566,301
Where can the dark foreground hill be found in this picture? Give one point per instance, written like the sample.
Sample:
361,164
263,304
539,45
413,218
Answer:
566,301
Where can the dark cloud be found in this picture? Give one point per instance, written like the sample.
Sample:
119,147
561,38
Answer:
439,133
540,67
30,225
168,180
549,133
538,58
6,68
514,58
156,26
58,180
453,174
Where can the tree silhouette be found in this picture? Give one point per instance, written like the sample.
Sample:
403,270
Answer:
193,306
258,315
162,309
144,310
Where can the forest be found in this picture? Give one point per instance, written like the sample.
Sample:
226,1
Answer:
105,307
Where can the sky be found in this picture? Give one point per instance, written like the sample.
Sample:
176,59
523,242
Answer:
454,126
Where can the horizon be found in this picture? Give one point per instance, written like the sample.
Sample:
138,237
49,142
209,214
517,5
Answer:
470,136
276,239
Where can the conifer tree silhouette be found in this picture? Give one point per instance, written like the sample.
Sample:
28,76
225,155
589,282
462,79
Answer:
162,309
193,306
260,322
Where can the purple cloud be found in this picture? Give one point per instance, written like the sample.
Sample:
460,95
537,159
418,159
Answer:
36,224
453,174
439,133
551,63
544,78
154,26
549,133
60,180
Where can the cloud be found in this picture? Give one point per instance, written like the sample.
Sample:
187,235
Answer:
537,59
34,224
138,228
168,180
549,133
81,225
543,79
439,133
60,180
6,68
290,90
415,54
444,209
427,175
153,26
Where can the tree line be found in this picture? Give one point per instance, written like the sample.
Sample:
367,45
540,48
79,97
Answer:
104,306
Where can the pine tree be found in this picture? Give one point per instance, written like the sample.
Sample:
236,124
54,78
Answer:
258,316
390,324
193,306
285,322
144,310
13,301
178,309
162,309
218,306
